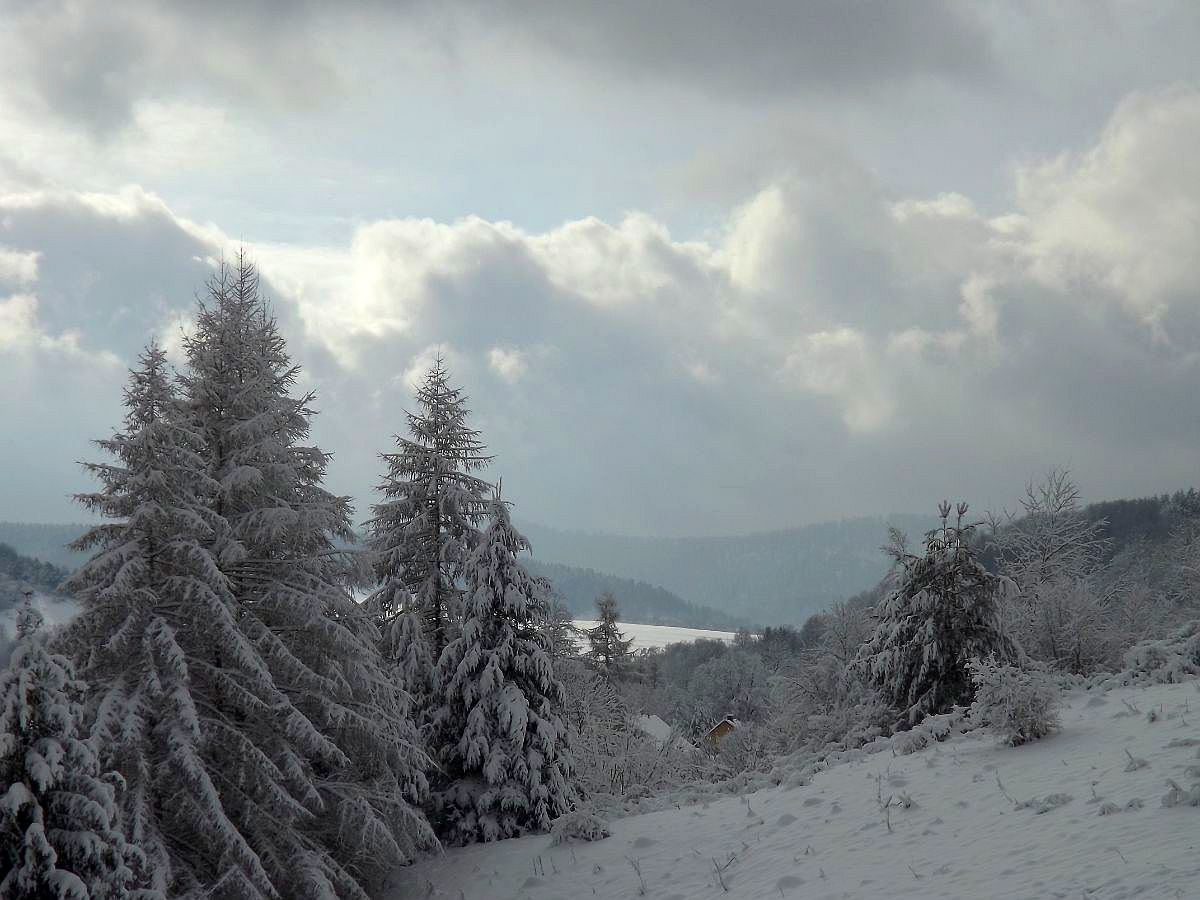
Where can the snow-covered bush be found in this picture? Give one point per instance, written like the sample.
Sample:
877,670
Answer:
611,752
1181,796
744,750
1171,659
932,730
818,702
1019,706
621,758
582,825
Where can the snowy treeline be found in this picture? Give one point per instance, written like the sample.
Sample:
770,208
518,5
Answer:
984,621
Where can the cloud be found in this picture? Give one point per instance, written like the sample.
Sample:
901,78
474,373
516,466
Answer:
841,365
97,64
825,334
17,268
22,334
1122,220
508,364
764,47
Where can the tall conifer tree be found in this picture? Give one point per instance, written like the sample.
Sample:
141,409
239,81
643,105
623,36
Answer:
172,672
608,648
345,740
424,528
236,682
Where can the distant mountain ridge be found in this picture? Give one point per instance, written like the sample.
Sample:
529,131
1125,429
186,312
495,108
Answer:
717,582
47,542
643,603
778,577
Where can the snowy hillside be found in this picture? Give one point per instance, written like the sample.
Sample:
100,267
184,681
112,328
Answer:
660,635
1079,814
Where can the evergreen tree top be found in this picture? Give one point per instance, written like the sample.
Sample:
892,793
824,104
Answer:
440,421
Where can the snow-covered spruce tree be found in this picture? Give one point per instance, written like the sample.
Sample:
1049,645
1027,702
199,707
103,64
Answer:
608,648
423,530
58,831
172,674
505,760
943,612
323,784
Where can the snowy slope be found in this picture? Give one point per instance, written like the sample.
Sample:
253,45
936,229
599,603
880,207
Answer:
661,635
962,838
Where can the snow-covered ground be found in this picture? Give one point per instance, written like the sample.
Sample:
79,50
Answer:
660,635
963,836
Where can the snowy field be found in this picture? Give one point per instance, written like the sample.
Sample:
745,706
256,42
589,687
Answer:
1096,830
660,635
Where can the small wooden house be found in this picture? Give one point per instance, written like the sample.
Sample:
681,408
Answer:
713,735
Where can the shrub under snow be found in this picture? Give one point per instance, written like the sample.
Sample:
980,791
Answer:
1172,659
1019,706
578,826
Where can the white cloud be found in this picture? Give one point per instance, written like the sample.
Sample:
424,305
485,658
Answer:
22,335
17,268
509,364
1123,218
839,364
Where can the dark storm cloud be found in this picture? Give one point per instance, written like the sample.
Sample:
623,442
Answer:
766,47
91,62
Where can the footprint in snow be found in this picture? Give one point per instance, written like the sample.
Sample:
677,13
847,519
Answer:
787,882
643,842
785,820
1097,701
812,801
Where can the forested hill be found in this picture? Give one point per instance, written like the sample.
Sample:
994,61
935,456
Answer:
720,582
771,578
1150,519
47,543
35,573
640,602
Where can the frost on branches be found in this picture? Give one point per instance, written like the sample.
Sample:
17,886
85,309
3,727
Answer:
424,529
943,612
58,830
503,742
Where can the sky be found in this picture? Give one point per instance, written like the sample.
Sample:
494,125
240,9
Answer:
702,267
